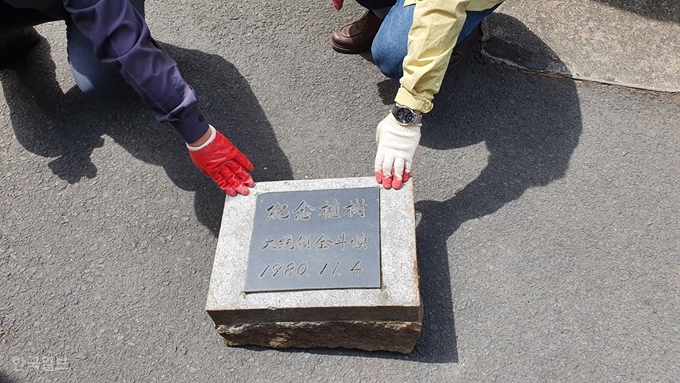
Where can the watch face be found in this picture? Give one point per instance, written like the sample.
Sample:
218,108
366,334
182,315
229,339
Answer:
404,115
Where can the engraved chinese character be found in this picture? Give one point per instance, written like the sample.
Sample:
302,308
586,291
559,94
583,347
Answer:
304,242
19,363
323,242
303,211
341,241
286,243
269,244
360,241
278,211
61,364
330,211
356,208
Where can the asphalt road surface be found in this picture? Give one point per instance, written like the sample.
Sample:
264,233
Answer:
548,211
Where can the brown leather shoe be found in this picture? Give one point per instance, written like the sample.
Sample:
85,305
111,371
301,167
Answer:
356,37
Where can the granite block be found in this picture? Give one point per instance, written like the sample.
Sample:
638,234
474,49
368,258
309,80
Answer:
385,318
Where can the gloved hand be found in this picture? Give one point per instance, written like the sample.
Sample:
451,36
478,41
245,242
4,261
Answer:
224,163
397,146
337,4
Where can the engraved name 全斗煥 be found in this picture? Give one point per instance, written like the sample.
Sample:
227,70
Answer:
360,241
318,239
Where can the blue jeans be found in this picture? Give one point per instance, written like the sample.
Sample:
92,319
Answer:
390,44
90,74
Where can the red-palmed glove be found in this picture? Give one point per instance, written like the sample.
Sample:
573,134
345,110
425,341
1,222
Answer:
337,4
220,160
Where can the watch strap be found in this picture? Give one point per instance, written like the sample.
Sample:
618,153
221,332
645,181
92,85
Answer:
416,117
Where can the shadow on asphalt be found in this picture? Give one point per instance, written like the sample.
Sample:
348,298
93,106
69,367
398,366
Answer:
664,10
5,379
530,124
69,126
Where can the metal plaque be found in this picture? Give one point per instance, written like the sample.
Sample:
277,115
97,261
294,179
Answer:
315,240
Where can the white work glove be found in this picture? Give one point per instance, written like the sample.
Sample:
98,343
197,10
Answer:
397,146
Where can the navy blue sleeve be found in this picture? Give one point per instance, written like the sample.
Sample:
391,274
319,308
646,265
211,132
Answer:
120,36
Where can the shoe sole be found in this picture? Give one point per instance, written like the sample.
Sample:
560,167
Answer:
342,49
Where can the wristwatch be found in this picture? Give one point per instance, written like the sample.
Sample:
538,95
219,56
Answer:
406,116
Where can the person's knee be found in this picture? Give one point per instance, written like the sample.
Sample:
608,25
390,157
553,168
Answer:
103,85
89,88
388,60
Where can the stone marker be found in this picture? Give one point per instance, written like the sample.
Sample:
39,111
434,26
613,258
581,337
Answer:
318,263
309,240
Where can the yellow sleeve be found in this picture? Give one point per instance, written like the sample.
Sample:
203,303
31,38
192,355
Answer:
434,32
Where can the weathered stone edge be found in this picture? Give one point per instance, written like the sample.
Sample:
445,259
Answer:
411,313
369,336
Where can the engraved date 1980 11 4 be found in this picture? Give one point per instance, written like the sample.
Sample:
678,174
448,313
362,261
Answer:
291,269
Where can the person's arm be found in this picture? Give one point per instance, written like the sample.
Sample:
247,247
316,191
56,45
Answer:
433,35
120,36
